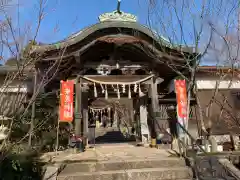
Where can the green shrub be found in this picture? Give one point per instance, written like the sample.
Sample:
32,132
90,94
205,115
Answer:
23,166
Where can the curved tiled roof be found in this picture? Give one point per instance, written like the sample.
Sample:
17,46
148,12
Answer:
83,34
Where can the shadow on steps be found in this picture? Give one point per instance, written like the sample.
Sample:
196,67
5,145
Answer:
113,137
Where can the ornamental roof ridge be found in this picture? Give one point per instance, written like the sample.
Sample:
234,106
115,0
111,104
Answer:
117,15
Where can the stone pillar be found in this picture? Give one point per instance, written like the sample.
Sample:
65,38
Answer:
144,119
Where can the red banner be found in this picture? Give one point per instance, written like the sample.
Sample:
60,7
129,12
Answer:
66,101
181,97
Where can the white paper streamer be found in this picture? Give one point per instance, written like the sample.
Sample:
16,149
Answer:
95,90
135,88
102,88
129,92
106,92
140,91
118,92
123,88
115,90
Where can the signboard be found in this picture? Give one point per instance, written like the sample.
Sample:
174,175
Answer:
181,97
66,101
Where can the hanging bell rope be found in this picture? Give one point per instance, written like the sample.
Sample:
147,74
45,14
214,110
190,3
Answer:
119,83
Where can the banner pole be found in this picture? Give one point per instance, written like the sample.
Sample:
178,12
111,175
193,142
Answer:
186,138
58,123
57,139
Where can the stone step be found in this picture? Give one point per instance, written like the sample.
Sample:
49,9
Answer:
111,165
173,173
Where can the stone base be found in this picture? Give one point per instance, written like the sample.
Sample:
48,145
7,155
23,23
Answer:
145,139
175,145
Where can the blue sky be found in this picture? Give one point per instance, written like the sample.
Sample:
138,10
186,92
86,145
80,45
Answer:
65,17
70,17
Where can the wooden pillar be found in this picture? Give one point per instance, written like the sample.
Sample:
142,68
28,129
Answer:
115,119
85,111
137,117
154,108
78,107
154,96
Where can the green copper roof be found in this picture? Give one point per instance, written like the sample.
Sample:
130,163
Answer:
83,34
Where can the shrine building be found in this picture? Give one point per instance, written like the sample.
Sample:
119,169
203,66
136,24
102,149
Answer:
117,62
121,69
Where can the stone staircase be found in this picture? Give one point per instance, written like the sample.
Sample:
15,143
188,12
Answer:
115,167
